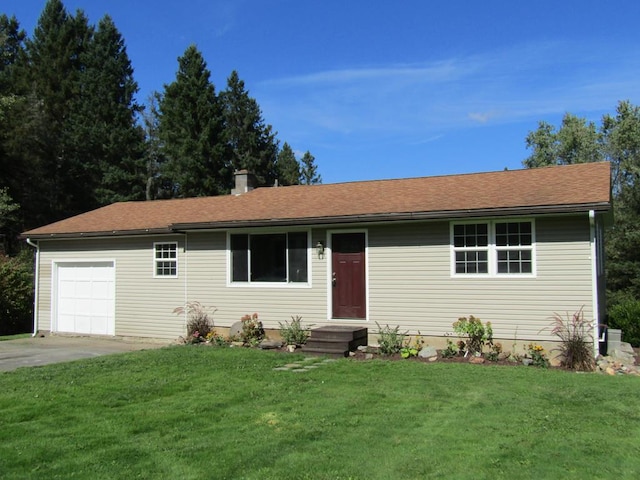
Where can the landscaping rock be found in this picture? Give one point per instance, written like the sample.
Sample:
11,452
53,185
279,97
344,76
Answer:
270,344
236,330
428,352
477,360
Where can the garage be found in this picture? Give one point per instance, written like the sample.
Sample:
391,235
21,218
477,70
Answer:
85,298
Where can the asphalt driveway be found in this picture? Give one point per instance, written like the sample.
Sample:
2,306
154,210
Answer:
31,352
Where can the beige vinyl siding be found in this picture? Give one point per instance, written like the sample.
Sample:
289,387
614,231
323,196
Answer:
143,303
207,267
411,282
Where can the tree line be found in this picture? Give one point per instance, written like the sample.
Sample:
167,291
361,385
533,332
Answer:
73,137
617,140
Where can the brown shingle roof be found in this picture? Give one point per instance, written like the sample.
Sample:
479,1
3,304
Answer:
552,189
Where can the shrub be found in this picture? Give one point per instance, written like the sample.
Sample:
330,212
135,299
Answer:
451,350
477,334
494,354
293,333
575,348
390,339
199,325
16,293
252,330
626,317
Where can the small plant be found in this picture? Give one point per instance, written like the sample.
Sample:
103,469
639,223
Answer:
293,333
390,339
252,330
575,349
494,354
216,340
412,349
451,350
477,334
536,354
198,320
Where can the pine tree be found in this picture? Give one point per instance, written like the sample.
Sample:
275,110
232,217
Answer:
287,166
309,171
103,119
190,128
12,52
64,184
250,143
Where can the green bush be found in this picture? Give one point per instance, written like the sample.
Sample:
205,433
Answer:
626,316
390,339
293,333
16,293
477,334
252,330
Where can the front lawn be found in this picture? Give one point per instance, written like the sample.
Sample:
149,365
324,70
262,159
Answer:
201,412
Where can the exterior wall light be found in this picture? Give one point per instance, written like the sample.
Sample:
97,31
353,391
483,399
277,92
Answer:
320,249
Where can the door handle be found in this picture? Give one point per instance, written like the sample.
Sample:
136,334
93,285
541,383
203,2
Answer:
333,279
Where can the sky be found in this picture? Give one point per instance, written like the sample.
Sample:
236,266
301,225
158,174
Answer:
391,89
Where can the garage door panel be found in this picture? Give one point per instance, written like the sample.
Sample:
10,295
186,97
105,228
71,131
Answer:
86,298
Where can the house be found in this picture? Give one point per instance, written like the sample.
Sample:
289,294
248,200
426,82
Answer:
510,247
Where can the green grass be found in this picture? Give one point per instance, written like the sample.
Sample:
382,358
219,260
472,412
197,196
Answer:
14,337
197,412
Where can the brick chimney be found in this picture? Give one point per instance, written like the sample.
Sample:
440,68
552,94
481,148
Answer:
245,182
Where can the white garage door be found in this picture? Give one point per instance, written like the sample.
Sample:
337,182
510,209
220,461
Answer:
85,298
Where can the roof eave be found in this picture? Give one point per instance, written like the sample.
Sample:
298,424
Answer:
331,220
102,233
390,217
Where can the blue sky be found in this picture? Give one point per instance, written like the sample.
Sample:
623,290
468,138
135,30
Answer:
392,89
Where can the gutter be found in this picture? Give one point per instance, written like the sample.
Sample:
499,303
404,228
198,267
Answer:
37,284
594,281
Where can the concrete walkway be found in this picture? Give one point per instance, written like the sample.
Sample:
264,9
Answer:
31,352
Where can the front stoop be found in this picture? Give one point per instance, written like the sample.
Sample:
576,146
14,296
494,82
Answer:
335,340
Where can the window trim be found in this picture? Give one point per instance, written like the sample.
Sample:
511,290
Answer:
249,283
492,248
174,246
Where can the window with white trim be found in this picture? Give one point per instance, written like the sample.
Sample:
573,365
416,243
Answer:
493,248
269,257
166,259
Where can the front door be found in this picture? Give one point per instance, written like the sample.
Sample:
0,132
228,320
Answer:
348,275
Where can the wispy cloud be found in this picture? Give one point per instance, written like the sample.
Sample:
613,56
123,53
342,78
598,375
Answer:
424,100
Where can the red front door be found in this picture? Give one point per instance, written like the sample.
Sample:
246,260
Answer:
348,275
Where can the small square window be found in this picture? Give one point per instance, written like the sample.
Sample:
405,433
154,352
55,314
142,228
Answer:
166,259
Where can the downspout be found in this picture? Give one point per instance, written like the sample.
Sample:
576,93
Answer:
594,281
37,285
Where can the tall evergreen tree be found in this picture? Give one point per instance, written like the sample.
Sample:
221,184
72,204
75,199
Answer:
287,166
309,171
102,126
54,69
156,186
190,128
250,143
12,39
